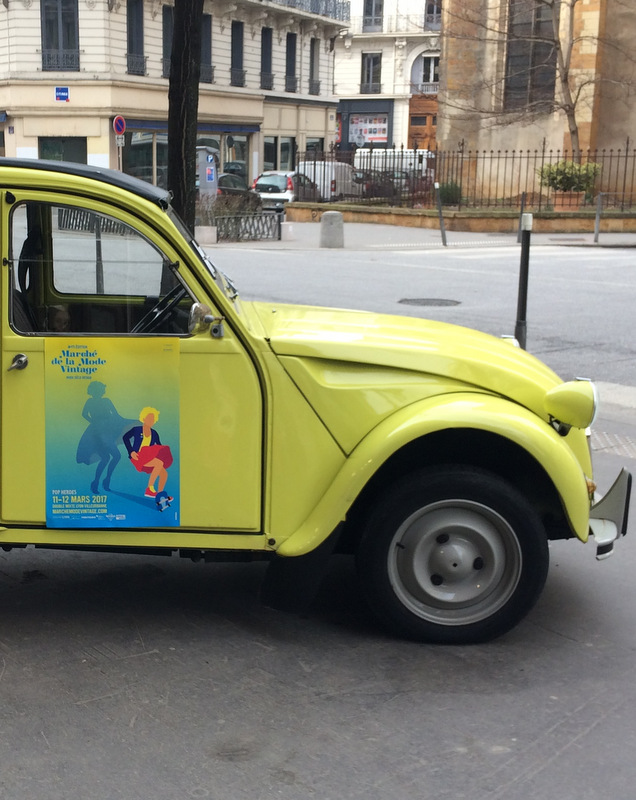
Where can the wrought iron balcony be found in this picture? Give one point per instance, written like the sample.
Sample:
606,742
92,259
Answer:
291,83
334,9
314,86
397,23
237,77
267,80
370,88
207,73
63,60
425,88
136,63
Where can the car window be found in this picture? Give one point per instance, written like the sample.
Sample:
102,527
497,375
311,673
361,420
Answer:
75,270
268,183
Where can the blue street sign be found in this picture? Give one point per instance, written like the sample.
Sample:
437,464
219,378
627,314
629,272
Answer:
62,94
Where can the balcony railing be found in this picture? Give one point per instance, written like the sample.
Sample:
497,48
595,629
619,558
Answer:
334,9
136,63
372,23
291,83
370,88
64,60
237,77
267,80
207,73
425,88
400,23
314,86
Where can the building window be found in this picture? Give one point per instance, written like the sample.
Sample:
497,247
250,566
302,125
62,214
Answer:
314,66
207,70
531,56
419,121
433,15
287,152
168,27
135,26
60,35
425,75
63,148
291,81
270,152
371,72
267,78
372,16
237,73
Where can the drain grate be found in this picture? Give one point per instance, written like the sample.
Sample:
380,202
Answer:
427,301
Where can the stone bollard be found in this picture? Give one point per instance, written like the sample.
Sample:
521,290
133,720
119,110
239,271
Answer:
331,229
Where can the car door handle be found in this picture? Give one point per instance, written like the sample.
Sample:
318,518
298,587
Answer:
19,362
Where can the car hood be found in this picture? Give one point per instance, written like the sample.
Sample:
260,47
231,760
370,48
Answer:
471,357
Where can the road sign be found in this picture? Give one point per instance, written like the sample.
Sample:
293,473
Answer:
120,139
119,125
62,94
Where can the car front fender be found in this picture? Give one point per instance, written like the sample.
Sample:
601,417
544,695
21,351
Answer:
466,410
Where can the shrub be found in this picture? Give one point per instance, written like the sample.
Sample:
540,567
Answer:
450,193
568,176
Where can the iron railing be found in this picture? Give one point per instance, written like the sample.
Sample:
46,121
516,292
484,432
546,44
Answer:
248,227
63,60
136,63
484,179
335,9
237,77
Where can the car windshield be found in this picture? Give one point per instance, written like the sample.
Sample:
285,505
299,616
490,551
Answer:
220,278
268,183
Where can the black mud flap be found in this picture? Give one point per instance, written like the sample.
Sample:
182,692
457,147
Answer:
290,584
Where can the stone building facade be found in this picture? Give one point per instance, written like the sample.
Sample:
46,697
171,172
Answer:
501,87
387,64
69,67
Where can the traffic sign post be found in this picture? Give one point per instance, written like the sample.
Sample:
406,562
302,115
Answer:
119,126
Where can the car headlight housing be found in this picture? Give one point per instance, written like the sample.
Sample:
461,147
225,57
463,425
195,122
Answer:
571,405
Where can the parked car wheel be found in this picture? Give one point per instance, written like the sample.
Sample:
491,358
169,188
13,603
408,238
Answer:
453,556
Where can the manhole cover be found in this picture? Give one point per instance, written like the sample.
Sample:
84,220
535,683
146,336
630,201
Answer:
427,301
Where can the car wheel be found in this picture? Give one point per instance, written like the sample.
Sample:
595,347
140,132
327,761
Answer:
452,556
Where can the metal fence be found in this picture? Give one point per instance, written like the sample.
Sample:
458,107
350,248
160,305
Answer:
482,179
248,227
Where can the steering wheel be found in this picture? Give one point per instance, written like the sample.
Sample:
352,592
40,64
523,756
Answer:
153,318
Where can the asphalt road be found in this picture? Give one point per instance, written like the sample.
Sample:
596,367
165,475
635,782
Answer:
132,677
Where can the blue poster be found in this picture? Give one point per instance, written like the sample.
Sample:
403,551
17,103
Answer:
112,433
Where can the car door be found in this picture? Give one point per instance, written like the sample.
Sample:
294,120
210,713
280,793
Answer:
114,415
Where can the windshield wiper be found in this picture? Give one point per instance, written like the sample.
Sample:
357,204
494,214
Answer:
233,291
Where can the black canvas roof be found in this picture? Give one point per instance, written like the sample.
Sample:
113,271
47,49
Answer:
110,176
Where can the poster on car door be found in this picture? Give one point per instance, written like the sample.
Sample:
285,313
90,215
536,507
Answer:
112,433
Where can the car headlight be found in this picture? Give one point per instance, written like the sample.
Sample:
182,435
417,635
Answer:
571,404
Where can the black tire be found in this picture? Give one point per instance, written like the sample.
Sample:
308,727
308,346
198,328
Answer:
452,556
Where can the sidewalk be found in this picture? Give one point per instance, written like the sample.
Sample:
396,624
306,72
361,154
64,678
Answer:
372,236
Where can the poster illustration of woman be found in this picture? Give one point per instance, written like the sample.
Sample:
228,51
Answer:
101,439
148,455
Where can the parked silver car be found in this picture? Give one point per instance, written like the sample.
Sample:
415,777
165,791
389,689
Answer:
276,188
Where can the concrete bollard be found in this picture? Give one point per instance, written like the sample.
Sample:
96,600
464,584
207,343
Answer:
331,229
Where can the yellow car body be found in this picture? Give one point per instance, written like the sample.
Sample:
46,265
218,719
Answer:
269,430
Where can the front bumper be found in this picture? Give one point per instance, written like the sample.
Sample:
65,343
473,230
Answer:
608,516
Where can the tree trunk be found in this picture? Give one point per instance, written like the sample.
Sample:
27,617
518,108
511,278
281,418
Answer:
183,102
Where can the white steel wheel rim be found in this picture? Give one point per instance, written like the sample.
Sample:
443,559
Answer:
454,562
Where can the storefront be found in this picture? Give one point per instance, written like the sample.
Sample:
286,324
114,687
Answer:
365,123
145,150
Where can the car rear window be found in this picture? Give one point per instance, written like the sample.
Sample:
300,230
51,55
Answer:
271,183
